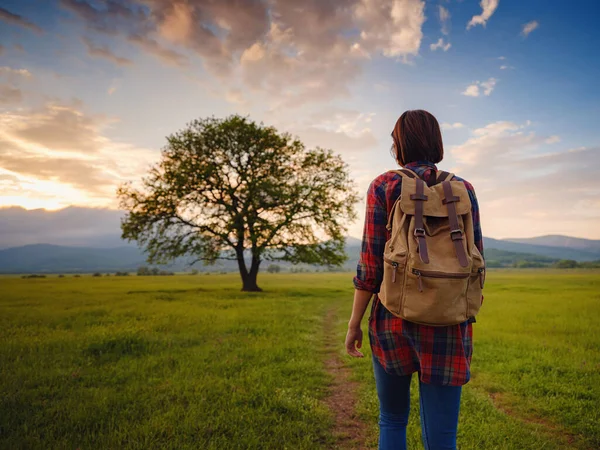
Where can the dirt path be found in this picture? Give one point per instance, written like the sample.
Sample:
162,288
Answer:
350,431
561,434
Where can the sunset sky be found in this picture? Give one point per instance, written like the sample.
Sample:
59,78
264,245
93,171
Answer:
90,88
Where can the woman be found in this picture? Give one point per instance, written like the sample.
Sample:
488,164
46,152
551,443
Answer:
440,355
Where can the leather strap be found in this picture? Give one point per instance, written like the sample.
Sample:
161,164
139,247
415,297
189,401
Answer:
455,232
432,179
408,173
442,176
402,173
419,197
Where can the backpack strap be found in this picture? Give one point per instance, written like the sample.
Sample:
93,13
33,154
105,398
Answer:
443,176
430,182
405,173
434,179
419,197
455,232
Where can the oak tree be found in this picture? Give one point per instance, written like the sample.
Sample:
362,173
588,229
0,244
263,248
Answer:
234,189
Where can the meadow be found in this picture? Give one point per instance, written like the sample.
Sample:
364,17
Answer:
190,362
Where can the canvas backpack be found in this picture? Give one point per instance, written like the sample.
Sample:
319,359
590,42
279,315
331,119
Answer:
433,272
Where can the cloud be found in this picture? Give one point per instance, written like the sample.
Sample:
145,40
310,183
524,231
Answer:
515,176
80,173
393,27
472,90
235,96
293,80
504,66
60,156
10,91
552,139
487,87
10,94
153,47
529,27
496,140
15,19
57,127
214,30
10,72
344,131
444,16
440,44
315,56
293,52
112,88
104,52
488,8
452,126
338,141
75,226
113,18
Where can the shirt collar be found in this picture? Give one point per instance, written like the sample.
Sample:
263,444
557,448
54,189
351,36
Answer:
421,164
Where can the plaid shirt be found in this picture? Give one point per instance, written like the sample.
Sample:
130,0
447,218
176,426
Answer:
442,355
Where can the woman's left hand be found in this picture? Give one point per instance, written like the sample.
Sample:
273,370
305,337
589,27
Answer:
354,339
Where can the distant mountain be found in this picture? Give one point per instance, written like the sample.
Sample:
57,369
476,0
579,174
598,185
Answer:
503,258
561,241
72,226
46,258
56,258
543,250
88,239
353,242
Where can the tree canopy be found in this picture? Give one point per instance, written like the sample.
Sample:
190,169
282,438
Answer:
234,189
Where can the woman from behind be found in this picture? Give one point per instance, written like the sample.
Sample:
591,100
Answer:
441,355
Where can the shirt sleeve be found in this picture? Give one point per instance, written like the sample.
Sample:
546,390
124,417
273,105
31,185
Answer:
369,271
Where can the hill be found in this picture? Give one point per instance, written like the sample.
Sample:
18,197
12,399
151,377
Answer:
57,258
561,241
46,258
589,254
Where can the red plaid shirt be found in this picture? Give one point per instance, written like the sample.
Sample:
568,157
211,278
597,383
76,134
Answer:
441,355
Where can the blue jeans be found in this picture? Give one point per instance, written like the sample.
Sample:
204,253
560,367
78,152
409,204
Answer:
439,407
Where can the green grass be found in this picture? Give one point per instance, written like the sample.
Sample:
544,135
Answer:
191,362
535,369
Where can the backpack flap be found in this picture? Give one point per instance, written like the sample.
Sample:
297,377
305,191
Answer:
434,206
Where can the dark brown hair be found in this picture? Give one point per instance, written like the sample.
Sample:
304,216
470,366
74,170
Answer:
418,137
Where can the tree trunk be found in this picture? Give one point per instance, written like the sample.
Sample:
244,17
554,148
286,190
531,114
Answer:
248,277
249,281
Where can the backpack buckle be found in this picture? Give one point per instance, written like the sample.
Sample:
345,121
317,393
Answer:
420,232
458,233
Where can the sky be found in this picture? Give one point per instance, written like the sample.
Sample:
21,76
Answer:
89,89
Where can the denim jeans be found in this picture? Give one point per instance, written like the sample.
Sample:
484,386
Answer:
439,407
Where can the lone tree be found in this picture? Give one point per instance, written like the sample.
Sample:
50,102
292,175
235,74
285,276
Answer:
233,189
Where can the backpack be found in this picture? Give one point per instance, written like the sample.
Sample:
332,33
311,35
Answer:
433,273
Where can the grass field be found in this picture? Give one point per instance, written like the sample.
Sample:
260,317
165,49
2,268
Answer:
191,362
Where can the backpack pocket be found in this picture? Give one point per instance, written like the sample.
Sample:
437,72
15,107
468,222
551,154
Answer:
476,282
392,286
435,298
